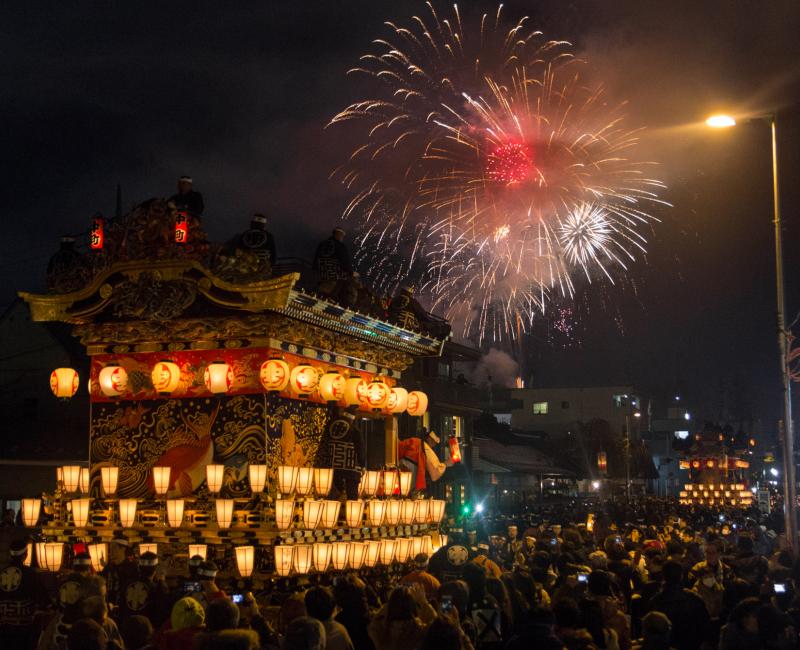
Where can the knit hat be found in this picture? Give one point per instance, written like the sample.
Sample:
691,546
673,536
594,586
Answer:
187,612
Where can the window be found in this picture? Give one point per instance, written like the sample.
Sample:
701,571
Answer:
503,418
565,405
448,493
682,435
540,408
443,369
620,400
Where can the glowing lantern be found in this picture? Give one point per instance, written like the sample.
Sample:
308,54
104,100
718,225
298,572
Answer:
40,554
354,512
31,508
98,555
96,237
181,228
322,556
417,403
283,560
161,476
437,510
408,511
421,512
28,554
218,377
151,547
214,476
64,382
60,477
198,549
312,513
257,474
53,555
710,463
455,450
165,376
427,545
303,380
393,511
175,509
224,512
80,512
417,544
274,375
72,477
287,476
340,551
109,477
377,394
387,551
376,510
370,482
323,479
127,512
305,478
302,558
398,400
245,556
403,549
357,552
355,391
331,386
113,381
405,483
373,554
330,514
83,480
390,481
284,513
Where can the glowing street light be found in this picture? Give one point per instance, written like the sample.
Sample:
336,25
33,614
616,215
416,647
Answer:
721,121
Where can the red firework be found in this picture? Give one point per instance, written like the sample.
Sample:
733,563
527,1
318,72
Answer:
510,163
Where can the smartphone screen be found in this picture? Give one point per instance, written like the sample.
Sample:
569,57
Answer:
447,603
583,577
780,588
238,598
191,587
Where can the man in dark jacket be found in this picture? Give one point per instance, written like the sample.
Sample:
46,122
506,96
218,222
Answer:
332,262
683,608
187,200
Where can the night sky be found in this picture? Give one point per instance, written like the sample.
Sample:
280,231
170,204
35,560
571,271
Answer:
238,94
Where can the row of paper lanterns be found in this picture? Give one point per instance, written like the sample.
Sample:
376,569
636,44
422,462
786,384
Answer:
316,513
302,481
275,376
298,558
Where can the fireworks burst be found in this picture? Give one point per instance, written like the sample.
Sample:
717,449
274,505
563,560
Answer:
493,170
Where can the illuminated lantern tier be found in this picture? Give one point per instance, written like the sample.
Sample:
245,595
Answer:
377,394
331,386
303,380
64,382
166,375
113,381
218,377
274,375
417,403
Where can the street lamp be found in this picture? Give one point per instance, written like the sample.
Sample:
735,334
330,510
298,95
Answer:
790,500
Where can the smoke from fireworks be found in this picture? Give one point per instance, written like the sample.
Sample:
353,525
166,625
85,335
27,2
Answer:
489,173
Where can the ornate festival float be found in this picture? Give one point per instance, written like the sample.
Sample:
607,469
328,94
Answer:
717,469
229,410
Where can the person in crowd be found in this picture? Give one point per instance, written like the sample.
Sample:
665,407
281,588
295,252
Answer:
656,631
685,609
86,634
320,605
445,634
22,595
483,610
146,593
186,622
568,625
304,633
354,614
209,591
741,630
712,564
137,633
401,623
332,262
187,199
421,576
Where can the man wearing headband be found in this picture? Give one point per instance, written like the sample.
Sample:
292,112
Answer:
187,199
21,596
209,591
147,595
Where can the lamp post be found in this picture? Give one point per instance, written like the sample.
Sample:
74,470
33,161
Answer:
787,439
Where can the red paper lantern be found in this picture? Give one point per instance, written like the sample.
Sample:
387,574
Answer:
355,391
331,386
417,403
303,379
602,462
274,375
113,381
181,228
218,377
64,382
165,376
455,449
96,237
377,394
